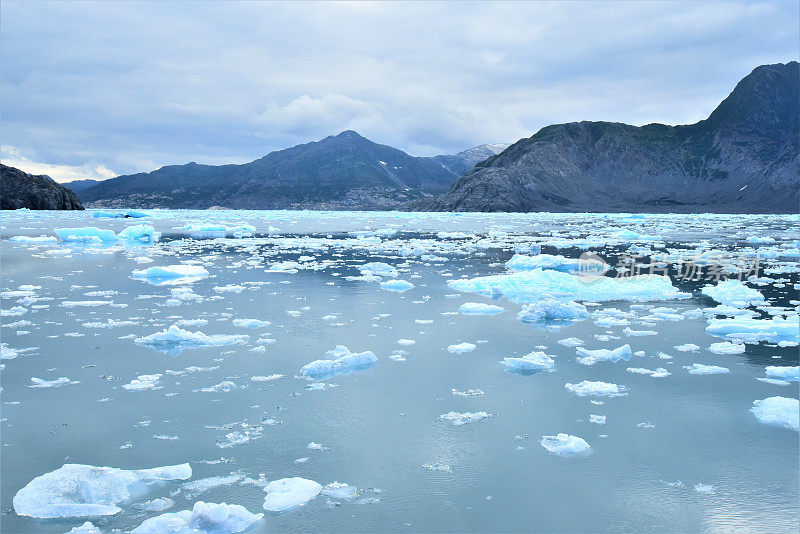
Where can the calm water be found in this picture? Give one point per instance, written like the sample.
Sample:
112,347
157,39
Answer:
380,426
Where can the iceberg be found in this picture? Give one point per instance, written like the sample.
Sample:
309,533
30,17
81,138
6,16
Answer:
459,419
58,382
204,517
287,493
734,293
552,311
174,340
591,357
340,490
726,347
30,239
588,388
700,369
749,330
521,262
784,372
477,308
778,411
532,286
377,268
89,234
76,490
566,445
461,348
398,286
170,274
251,323
341,361
142,232
86,528
532,362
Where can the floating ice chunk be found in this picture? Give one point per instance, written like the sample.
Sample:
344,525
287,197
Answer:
406,342
477,308
174,340
552,311
749,330
204,517
267,378
340,490
89,234
784,372
30,239
85,303
571,342
459,419
726,347
705,488
204,484
532,362
398,286
76,490
58,382
566,445
520,262
734,293
700,369
597,419
588,388
142,232
461,348
688,347
629,236
591,357
453,235
223,387
531,286
779,411
287,493
341,361
170,274
629,332
251,323
143,382
377,268
657,373
156,505
437,466
467,393
86,528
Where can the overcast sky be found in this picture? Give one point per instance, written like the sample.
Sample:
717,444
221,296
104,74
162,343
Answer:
93,90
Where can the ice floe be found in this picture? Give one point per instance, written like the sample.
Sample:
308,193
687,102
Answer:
734,293
461,348
478,308
552,311
591,357
341,361
749,330
171,274
76,490
288,493
174,340
778,411
700,369
211,518
459,419
588,388
531,362
565,445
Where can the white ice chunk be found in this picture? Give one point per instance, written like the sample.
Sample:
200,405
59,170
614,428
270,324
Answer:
734,293
377,268
520,262
591,357
459,419
89,234
76,490
211,518
534,361
478,308
588,388
461,348
174,340
552,310
700,369
287,493
726,347
398,286
251,323
341,361
141,232
170,274
749,330
784,372
565,445
779,411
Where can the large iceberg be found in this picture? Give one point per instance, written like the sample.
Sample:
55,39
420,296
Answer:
751,330
779,411
532,286
204,517
170,274
287,493
76,490
174,339
341,361
89,234
734,293
141,232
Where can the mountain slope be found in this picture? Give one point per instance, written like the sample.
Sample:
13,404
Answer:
80,185
743,158
460,163
345,171
19,189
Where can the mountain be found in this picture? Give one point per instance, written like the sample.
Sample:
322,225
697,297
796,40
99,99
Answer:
745,158
80,185
460,163
19,189
345,171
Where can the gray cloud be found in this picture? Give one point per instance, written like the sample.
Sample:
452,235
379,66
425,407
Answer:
93,89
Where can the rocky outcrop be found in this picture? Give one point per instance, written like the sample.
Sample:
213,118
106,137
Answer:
745,158
19,189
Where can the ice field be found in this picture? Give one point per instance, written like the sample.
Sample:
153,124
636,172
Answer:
231,371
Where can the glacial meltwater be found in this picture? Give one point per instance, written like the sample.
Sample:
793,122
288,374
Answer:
373,372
